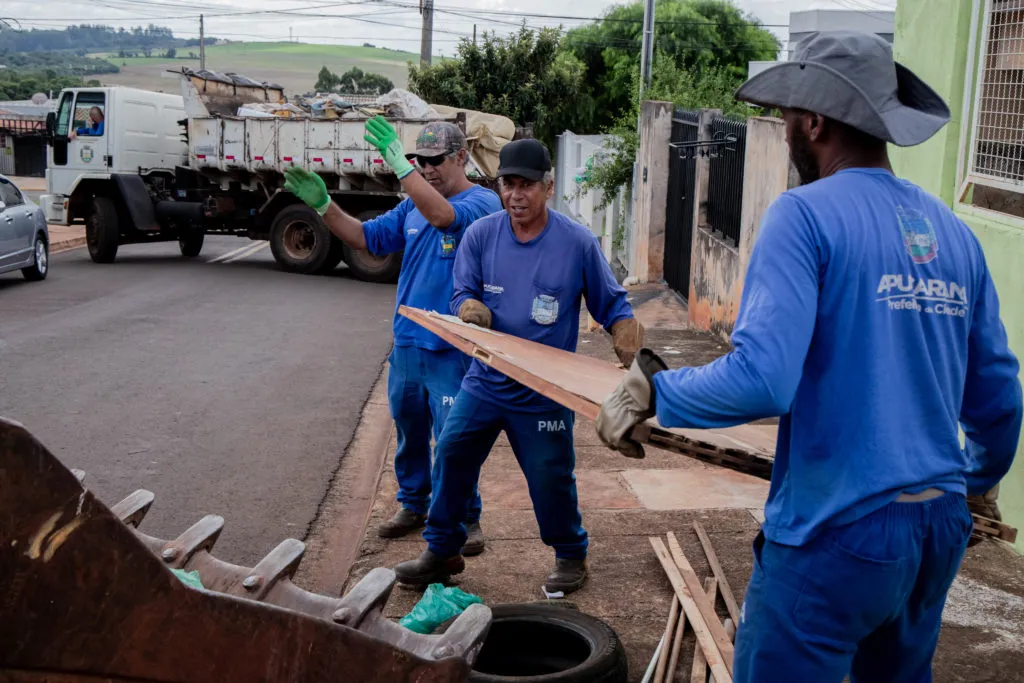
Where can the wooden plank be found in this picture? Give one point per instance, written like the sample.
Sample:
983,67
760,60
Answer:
716,569
701,628
582,383
730,630
670,628
706,607
699,673
677,646
995,529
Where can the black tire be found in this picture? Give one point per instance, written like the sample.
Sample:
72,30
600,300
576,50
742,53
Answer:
335,256
41,261
191,243
367,266
102,230
549,644
299,240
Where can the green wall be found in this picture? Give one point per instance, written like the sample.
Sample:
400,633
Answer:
932,39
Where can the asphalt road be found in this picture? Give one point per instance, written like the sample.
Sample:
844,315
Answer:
221,384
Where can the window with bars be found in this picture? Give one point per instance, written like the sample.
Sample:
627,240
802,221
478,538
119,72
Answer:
997,140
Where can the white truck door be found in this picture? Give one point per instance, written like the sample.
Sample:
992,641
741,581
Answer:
81,144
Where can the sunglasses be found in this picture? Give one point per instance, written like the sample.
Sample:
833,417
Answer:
427,161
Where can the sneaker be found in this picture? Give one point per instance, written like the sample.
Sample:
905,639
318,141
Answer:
567,577
475,542
429,568
404,522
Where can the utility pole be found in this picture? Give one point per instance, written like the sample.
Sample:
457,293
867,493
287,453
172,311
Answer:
202,45
647,55
291,35
427,37
474,34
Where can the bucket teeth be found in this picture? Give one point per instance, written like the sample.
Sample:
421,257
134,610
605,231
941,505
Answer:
200,536
133,509
282,562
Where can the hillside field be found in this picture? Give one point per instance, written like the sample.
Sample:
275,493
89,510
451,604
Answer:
293,65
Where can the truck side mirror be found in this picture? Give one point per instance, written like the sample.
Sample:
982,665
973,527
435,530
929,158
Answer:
51,123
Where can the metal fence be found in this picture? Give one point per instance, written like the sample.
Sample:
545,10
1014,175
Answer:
725,178
679,208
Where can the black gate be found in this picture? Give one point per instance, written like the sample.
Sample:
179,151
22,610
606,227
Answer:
679,211
725,177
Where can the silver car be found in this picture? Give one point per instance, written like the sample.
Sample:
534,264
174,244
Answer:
24,239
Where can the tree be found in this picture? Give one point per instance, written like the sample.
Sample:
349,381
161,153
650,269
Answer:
171,53
691,34
523,76
355,81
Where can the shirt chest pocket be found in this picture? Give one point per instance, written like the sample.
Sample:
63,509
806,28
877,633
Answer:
545,304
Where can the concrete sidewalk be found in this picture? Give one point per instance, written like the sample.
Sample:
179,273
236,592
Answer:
64,237
625,501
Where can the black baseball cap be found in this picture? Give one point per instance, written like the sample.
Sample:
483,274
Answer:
527,158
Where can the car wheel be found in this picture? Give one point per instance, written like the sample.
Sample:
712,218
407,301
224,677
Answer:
102,231
548,644
41,262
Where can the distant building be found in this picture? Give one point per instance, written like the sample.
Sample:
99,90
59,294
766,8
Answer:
23,137
803,24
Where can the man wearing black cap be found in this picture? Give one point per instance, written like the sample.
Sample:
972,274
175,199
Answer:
870,324
425,372
524,272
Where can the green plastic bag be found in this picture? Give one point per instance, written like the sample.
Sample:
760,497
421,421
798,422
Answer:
438,604
190,579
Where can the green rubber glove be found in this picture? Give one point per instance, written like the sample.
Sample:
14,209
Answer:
384,137
309,187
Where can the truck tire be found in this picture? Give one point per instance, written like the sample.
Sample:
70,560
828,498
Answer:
548,644
335,256
367,266
102,230
191,243
299,240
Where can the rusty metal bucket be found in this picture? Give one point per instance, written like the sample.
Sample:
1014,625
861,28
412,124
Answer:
87,597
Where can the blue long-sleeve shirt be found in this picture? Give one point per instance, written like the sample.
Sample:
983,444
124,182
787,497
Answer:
425,280
870,323
533,290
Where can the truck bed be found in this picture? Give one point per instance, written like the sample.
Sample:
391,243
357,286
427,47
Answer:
262,145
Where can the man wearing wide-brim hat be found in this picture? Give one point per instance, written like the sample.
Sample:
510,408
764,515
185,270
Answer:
869,323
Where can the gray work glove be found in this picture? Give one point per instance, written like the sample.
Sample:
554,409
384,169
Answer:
630,404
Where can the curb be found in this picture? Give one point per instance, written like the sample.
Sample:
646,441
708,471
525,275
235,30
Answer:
67,245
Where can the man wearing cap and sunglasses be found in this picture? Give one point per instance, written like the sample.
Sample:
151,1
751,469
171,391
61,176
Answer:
524,272
425,372
869,322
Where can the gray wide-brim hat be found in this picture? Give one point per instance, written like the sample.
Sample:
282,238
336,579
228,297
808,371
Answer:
851,77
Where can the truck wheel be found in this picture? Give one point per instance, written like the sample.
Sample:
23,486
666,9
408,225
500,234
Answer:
335,256
367,266
299,240
191,243
102,230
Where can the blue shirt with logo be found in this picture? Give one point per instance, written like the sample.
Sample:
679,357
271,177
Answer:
534,290
425,280
870,323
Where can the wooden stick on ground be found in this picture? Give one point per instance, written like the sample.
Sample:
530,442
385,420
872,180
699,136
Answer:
716,569
670,627
706,608
731,630
710,645
699,673
677,647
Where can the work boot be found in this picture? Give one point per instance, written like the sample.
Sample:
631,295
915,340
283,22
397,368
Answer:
429,568
404,522
475,542
568,576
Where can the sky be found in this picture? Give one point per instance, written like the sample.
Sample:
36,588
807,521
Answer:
385,23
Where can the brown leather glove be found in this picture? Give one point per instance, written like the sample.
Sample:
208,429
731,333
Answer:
985,506
627,338
475,313
632,402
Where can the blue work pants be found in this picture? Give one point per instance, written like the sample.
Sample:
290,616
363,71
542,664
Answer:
864,599
543,446
422,386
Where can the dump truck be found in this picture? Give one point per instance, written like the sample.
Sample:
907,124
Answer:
177,167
